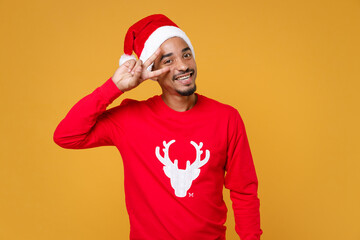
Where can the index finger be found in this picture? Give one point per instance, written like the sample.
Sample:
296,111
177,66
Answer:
156,73
152,58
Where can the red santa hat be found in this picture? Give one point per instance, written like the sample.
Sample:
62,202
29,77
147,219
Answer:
146,36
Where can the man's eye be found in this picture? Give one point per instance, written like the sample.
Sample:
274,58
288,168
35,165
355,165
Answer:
187,55
168,61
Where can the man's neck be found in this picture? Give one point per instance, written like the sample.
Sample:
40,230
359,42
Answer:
180,103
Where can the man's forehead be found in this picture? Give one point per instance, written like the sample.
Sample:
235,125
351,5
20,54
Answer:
173,45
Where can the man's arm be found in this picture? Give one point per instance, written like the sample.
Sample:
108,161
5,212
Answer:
242,181
87,125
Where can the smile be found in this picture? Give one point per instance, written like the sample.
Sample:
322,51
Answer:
185,76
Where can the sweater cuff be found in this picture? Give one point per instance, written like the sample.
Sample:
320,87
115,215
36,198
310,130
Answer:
109,91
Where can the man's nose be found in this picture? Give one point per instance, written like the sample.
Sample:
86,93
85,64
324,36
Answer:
181,65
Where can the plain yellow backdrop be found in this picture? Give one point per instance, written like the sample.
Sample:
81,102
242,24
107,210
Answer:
291,68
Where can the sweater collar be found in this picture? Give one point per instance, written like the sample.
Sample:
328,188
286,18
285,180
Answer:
164,109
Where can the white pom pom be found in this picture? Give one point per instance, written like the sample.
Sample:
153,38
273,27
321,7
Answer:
125,58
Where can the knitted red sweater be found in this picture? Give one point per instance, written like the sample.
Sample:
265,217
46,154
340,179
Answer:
175,163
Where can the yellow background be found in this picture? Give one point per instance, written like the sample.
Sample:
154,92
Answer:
291,68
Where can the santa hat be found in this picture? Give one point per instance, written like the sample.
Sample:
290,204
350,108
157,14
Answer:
146,36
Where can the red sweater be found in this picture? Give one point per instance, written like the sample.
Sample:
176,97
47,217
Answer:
175,163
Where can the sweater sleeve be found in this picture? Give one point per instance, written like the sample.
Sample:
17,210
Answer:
87,125
242,181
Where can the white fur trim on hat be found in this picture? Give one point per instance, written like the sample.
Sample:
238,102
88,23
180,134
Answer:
125,58
159,36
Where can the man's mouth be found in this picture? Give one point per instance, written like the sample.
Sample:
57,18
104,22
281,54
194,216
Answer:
184,76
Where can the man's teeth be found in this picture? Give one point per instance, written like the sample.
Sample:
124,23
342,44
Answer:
184,77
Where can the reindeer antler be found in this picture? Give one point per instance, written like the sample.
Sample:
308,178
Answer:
199,163
166,159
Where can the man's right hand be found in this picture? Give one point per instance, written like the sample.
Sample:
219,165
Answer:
130,74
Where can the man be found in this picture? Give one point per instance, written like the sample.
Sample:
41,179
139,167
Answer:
176,148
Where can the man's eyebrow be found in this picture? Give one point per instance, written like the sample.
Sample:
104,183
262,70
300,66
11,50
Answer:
170,54
185,49
165,55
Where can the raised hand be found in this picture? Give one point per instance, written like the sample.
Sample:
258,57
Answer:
132,73
146,74
127,76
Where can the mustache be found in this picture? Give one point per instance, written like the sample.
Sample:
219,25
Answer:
184,72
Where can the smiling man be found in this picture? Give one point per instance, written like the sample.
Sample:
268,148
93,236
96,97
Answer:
178,149
178,53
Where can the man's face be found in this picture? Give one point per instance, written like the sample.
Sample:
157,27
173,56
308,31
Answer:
180,79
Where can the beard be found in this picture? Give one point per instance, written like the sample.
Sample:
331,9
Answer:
188,92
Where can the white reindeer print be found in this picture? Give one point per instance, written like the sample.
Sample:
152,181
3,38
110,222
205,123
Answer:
181,179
